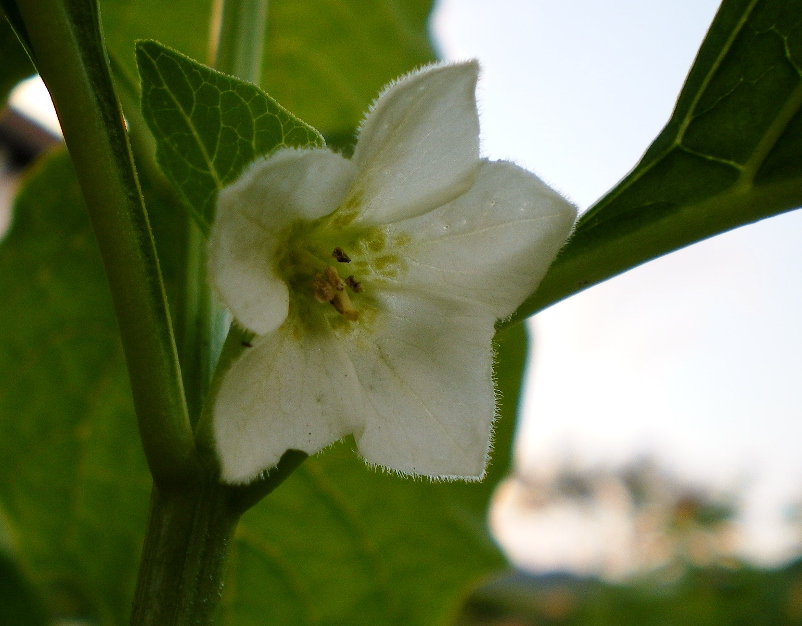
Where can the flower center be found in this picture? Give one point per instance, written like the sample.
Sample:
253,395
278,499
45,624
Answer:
327,286
309,272
328,263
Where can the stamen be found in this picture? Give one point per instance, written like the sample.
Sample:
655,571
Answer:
322,289
340,255
334,279
345,307
354,284
329,287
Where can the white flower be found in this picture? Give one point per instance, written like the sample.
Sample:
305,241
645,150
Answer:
373,286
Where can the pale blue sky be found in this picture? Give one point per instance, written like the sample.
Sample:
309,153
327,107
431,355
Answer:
695,357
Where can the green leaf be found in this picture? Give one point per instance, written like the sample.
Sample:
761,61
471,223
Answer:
73,481
339,543
326,61
19,604
180,24
730,155
209,126
14,62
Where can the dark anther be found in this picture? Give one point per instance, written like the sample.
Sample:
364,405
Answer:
354,284
340,255
245,344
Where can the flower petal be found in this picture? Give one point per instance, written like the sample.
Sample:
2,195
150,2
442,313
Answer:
492,245
419,145
429,400
253,214
285,393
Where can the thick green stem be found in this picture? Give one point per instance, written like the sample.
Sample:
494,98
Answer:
69,53
189,534
187,540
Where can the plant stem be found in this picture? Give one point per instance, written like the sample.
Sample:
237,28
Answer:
69,53
188,535
204,324
238,36
190,527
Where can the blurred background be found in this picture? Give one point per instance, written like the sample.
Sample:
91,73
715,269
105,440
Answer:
660,430
661,424
692,360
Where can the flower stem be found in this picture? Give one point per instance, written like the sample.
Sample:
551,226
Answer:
204,324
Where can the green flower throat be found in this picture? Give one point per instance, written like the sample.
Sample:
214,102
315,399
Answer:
333,269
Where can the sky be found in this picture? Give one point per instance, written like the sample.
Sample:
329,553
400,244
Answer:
693,358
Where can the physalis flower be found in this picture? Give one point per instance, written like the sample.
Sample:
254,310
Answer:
373,285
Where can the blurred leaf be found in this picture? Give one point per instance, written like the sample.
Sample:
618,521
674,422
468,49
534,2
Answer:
339,543
209,126
14,62
180,24
19,605
327,61
730,155
73,480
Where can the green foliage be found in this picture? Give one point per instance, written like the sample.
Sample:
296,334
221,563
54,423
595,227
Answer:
73,482
325,61
14,62
730,155
712,596
344,53
19,605
341,544
209,126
